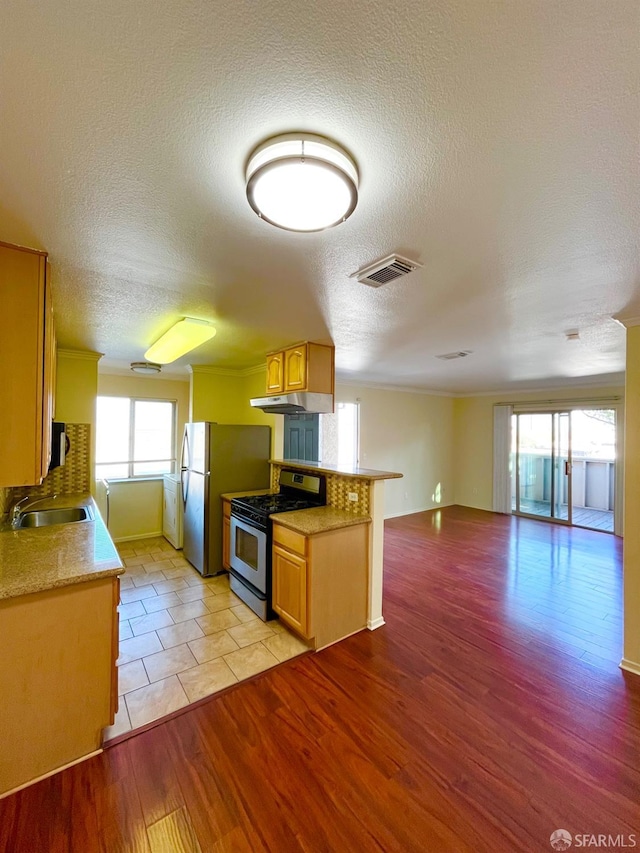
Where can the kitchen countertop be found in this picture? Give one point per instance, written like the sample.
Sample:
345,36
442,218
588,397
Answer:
345,471
37,559
230,495
318,520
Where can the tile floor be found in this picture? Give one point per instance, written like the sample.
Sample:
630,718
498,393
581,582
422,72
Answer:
183,637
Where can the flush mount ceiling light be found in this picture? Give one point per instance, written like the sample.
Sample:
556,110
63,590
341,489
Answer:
302,182
182,337
146,367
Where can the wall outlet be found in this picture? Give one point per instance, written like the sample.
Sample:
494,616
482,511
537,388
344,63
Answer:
353,496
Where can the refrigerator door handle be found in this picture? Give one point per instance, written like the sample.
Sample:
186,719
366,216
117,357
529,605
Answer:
184,482
184,462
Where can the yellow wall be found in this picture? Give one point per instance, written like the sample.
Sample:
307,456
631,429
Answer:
409,433
135,508
473,438
631,655
223,396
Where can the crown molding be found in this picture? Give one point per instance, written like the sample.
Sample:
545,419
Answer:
127,373
406,389
225,371
576,385
81,355
627,320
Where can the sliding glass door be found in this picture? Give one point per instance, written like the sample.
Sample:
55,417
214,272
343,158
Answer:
563,466
542,465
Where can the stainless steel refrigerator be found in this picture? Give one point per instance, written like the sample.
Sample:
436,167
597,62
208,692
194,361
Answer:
217,458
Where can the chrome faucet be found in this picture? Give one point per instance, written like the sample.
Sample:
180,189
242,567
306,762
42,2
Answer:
16,512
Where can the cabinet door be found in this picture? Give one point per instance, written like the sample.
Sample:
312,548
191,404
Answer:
24,436
295,368
275,373
290,589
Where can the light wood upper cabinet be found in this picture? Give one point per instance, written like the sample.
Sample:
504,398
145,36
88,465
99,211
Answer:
275,373
27,361
304,367
295,368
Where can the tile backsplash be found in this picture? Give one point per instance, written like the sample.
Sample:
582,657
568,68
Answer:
73,476
338,488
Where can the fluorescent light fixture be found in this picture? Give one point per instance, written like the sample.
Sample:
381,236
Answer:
302,182
185,335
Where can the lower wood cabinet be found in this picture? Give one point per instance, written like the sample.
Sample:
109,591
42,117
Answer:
320,582
290,589
59,678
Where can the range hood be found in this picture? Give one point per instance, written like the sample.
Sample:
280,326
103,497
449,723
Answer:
295,403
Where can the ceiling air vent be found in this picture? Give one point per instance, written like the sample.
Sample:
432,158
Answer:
385,270
449,356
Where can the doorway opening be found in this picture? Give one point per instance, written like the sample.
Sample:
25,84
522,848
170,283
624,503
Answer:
563,466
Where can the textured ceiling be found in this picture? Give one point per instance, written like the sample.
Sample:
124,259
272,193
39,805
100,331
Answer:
497,144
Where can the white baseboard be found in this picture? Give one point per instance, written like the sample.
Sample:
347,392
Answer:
414,511
372,624
139,536
630,666
50,773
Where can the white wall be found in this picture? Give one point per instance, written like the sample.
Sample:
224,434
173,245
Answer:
407,432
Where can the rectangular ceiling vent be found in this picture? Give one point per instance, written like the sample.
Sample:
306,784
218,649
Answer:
385,270
448,356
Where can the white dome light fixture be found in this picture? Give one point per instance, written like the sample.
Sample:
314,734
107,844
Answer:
302,182
146,367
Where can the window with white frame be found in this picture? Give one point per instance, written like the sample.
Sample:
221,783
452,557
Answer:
348,434
134,437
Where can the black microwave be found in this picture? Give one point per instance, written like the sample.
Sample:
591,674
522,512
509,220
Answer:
59,445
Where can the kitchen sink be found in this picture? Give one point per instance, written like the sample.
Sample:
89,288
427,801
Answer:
63,515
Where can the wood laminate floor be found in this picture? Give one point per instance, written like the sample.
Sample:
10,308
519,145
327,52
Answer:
488,712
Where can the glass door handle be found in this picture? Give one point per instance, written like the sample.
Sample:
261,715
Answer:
567,467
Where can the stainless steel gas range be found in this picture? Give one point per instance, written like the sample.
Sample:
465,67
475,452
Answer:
251,538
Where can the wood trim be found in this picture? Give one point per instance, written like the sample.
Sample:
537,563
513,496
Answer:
40,252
